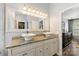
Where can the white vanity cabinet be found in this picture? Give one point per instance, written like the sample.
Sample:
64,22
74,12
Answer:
42,48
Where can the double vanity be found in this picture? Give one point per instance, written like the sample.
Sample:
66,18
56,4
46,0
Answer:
25,34
47,46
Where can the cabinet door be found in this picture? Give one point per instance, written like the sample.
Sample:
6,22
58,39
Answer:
55,45
39,51
47,49
50,47
29,53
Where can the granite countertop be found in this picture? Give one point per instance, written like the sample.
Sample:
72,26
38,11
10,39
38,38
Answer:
30,41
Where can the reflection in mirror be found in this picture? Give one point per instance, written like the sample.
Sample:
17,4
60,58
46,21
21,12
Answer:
21,21
21,25
30,23
41,24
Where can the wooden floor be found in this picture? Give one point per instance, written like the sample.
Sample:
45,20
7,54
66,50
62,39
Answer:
67,51
71,50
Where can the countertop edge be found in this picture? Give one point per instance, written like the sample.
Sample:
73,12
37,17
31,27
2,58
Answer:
12,46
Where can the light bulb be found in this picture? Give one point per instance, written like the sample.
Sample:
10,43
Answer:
29,10
40,13
43,14
37,12
46,15
24,8
33,11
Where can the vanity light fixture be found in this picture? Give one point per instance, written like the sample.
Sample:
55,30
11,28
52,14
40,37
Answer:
33,12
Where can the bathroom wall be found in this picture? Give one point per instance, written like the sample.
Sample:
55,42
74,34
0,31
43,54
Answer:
1,29
42,7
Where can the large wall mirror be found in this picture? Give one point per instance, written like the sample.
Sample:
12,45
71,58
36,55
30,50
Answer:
30,23
18,21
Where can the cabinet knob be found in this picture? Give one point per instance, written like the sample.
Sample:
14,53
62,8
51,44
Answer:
40,51
47,48
24,54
